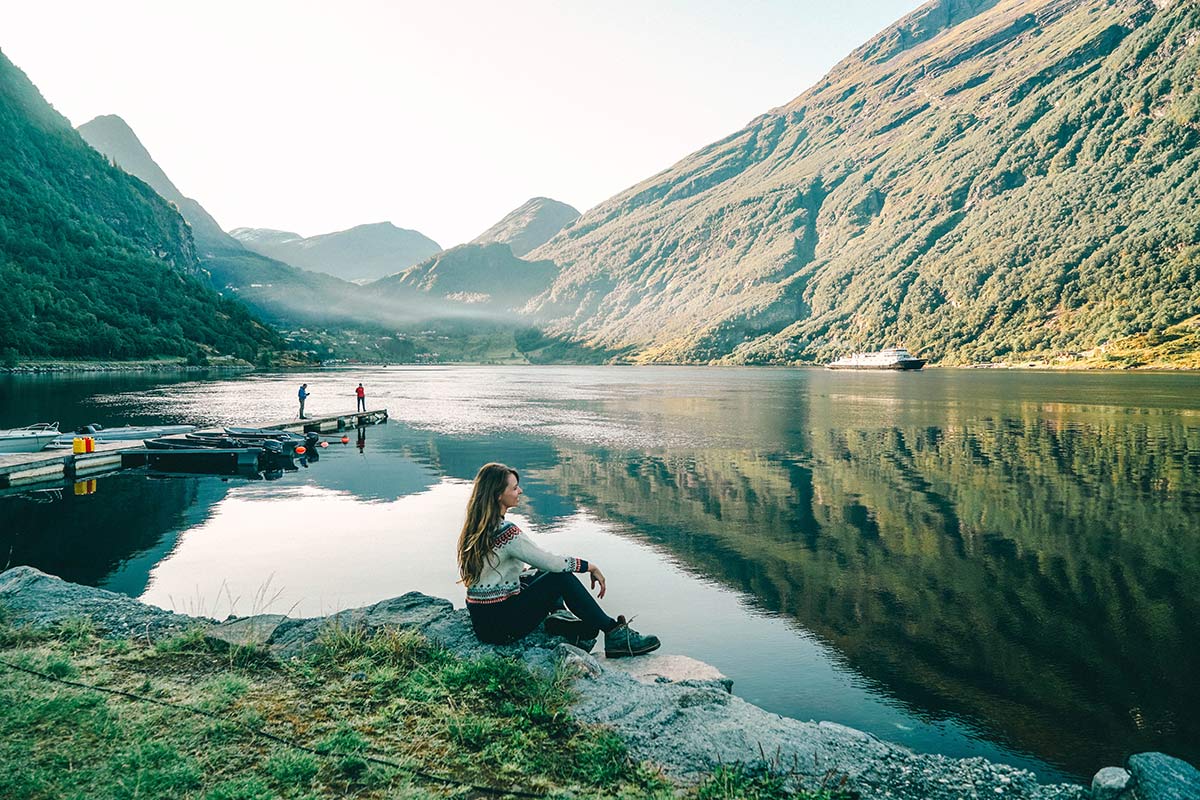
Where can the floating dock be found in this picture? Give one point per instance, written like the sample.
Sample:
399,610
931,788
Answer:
18,470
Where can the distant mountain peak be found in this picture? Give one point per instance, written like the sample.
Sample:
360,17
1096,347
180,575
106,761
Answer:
111,135
246,235
530,225
362,253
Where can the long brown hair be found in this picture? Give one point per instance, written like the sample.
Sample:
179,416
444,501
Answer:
483,517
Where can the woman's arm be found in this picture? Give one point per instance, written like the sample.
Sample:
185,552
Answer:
513,542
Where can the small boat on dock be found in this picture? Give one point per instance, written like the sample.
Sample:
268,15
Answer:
896,358
272,454
29,439
273,433
125,433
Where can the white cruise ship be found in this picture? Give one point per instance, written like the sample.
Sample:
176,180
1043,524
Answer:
895,358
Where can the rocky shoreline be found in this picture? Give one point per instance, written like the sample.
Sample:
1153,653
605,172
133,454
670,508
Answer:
670,710
59,367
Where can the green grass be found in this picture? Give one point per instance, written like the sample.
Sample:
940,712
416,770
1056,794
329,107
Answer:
358,699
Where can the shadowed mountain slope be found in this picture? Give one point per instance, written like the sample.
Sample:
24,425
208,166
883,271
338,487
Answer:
277,291
982,179
530,225
362,253
113,137
95,263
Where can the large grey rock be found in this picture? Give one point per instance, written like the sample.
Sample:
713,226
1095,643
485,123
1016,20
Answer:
31,597
577,661
1109,784
433,617
1158,776
668,668
253,631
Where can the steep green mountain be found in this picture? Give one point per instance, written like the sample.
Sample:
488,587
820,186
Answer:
981,180
362,253
278,292
113,137
530,225
93,262
470,280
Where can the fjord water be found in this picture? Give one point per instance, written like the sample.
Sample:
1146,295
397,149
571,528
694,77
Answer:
1003,564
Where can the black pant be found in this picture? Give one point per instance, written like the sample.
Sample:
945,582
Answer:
362,404
516,617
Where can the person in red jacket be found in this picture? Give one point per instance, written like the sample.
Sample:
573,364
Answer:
362,397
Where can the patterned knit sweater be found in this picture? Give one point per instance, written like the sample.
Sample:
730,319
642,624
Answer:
511,551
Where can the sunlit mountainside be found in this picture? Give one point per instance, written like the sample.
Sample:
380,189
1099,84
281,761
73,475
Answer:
981,180
530,225
486,277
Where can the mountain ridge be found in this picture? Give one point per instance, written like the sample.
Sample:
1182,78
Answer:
112,136
529,225
361,253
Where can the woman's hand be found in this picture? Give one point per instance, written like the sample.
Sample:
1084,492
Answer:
597,578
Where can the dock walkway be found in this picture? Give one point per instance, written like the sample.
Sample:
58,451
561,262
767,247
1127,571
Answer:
55,466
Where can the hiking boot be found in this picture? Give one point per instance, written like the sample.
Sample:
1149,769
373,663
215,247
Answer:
624,641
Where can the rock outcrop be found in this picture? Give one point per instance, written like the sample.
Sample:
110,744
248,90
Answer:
672,711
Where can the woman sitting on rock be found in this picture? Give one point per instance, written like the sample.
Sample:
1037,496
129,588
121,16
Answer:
492,554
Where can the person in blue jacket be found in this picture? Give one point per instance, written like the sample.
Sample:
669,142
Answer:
303,395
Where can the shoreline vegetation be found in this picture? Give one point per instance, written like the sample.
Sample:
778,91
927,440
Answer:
1172,349
369,715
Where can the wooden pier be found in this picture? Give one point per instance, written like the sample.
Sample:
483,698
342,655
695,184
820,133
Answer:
20,470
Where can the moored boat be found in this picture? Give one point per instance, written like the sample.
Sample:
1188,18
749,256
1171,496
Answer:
307,439
125,433
272,454
222,461
896,358
28,439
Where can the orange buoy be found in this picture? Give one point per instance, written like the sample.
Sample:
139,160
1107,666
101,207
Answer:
324,443
345,440
300,450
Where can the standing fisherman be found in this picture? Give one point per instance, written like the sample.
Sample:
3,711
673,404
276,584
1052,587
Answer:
303,395
362,397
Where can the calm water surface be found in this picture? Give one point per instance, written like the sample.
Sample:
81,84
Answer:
971,563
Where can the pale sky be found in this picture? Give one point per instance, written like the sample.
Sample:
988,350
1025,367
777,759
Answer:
443,116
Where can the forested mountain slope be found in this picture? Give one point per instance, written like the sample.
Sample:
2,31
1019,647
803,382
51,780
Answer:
93,262
113,137
980,180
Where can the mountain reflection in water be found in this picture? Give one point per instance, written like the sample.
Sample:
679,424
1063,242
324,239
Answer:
1005,565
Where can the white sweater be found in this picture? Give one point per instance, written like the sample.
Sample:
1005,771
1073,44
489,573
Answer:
511,551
